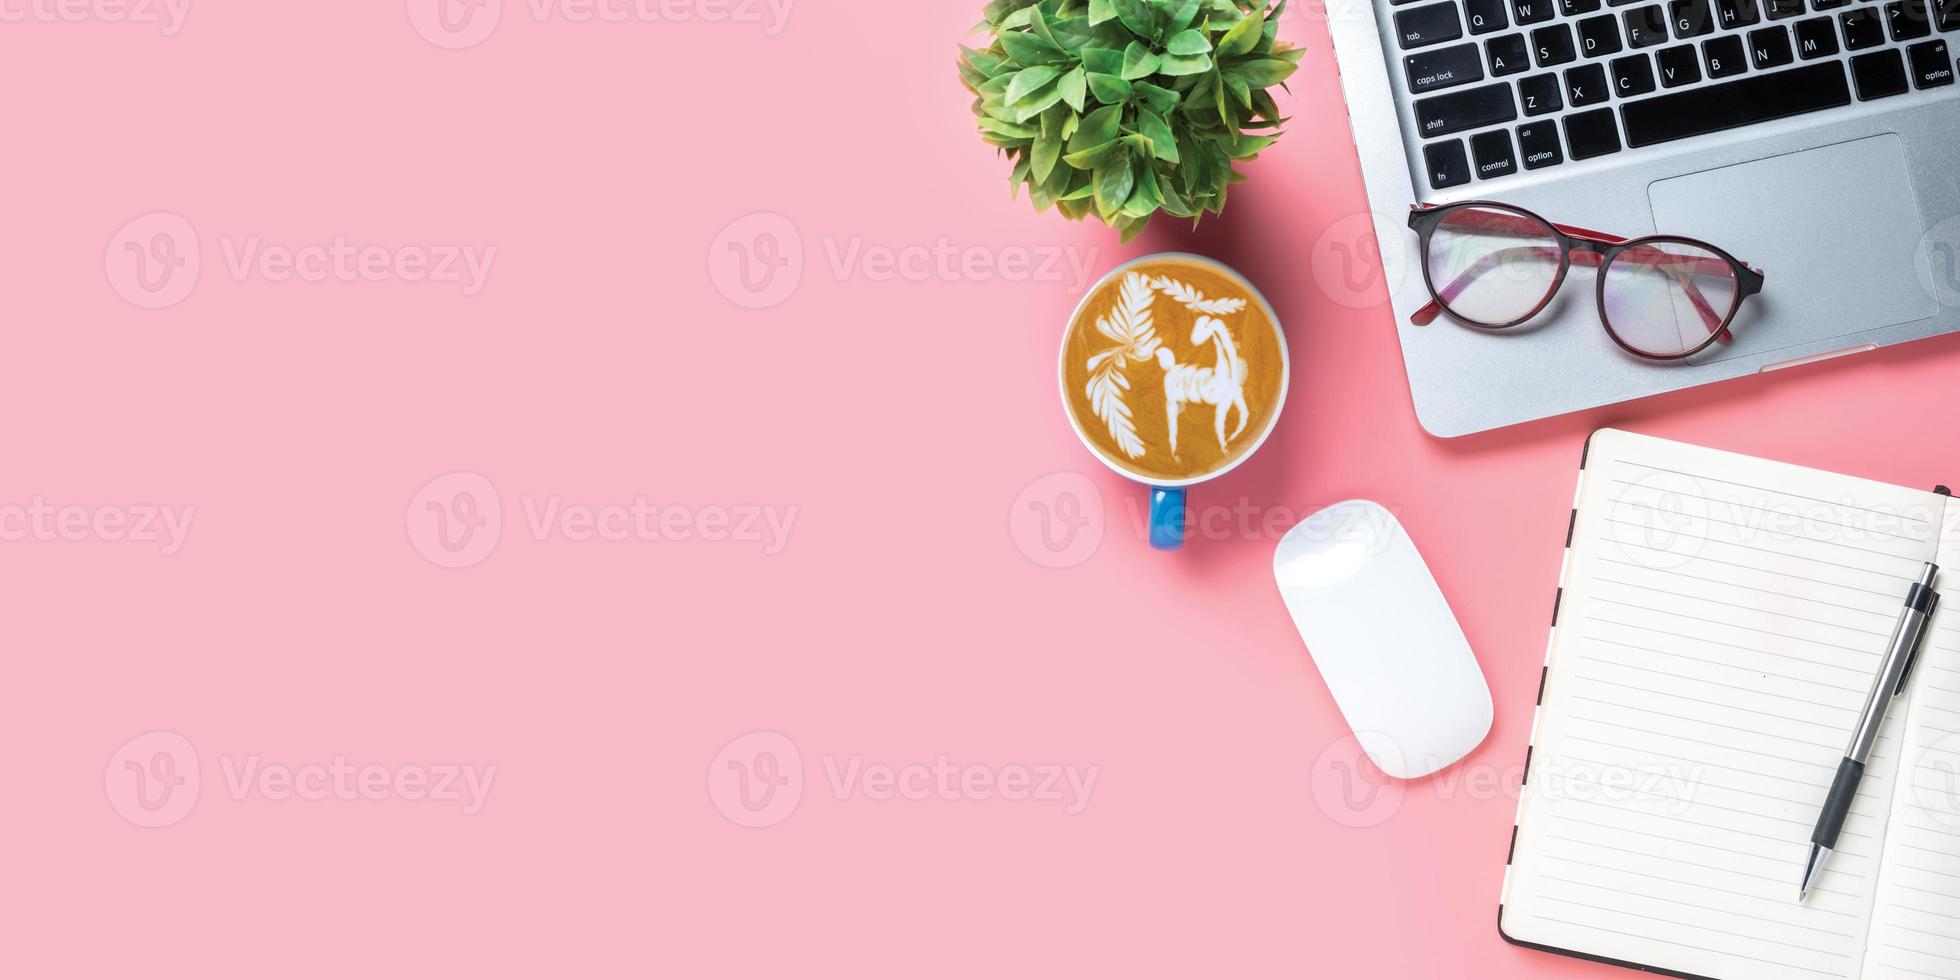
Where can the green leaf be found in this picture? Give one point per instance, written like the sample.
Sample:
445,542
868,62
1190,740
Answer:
1056,185
1163,143
1074,85
1145,198
1109,89
1182,15
1240,90
1249,146
1263,72
1097,128
1114,181
1160,99
1101,11
1032,49
1179,64
1027,80
1040,25
1174,203
988,62
1243,35
1139,61
1107,61
1037,102
1047,150
1187,43
1135,15
1264,104
1092,157
1010,129
971,77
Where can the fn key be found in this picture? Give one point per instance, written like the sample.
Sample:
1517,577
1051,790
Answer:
1448,165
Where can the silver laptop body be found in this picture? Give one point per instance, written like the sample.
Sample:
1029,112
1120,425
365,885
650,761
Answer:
1818,162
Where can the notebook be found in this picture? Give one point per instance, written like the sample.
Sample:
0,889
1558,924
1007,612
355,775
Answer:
1717,627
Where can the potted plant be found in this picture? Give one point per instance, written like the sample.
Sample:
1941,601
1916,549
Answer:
1123,108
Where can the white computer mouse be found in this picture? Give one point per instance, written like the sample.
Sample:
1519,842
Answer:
1384,638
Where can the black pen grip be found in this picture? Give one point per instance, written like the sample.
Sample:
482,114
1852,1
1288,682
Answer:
1837,806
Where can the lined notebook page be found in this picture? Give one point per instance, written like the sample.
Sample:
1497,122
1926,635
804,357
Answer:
1916,916
1720,624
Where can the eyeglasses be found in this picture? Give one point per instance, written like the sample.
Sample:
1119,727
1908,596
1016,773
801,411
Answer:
1494,266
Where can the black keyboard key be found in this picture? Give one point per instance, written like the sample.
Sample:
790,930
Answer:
1725,56
1816,38
1448,166
1946,15
1770,48
1646,26
1474,108
1862,29
1578,8
1632,76
1507,55
1591,134
1783,9
1909,20
1758,98
1444,68
1932,64
1541,94
1420,27
1492,153
1692,18
1823,5
1532,11
1600,36
1679,66
1538,144
1732,14
1486,15
1880,75
1586,85
1554,46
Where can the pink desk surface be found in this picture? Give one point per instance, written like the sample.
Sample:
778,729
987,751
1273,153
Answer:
886,399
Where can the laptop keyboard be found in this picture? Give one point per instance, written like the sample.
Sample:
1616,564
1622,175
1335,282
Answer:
1505,86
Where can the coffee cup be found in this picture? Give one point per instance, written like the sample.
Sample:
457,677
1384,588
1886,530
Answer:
1173,372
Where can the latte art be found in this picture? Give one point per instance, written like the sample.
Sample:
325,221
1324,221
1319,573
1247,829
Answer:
1173,370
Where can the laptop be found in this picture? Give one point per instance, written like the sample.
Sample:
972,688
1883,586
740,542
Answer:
1816,140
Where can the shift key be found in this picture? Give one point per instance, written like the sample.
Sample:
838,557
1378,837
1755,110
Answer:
1440,115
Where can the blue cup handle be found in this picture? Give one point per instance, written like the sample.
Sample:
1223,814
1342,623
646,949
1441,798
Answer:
1167,518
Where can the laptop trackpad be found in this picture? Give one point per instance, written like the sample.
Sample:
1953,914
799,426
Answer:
1836,230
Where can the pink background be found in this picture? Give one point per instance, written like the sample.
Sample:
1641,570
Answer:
908,614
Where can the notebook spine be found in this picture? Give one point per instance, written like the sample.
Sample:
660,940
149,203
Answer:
1545,671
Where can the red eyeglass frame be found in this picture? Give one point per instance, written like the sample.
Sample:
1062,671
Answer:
1596,249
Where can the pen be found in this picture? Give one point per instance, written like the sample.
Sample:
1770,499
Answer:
1921,600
